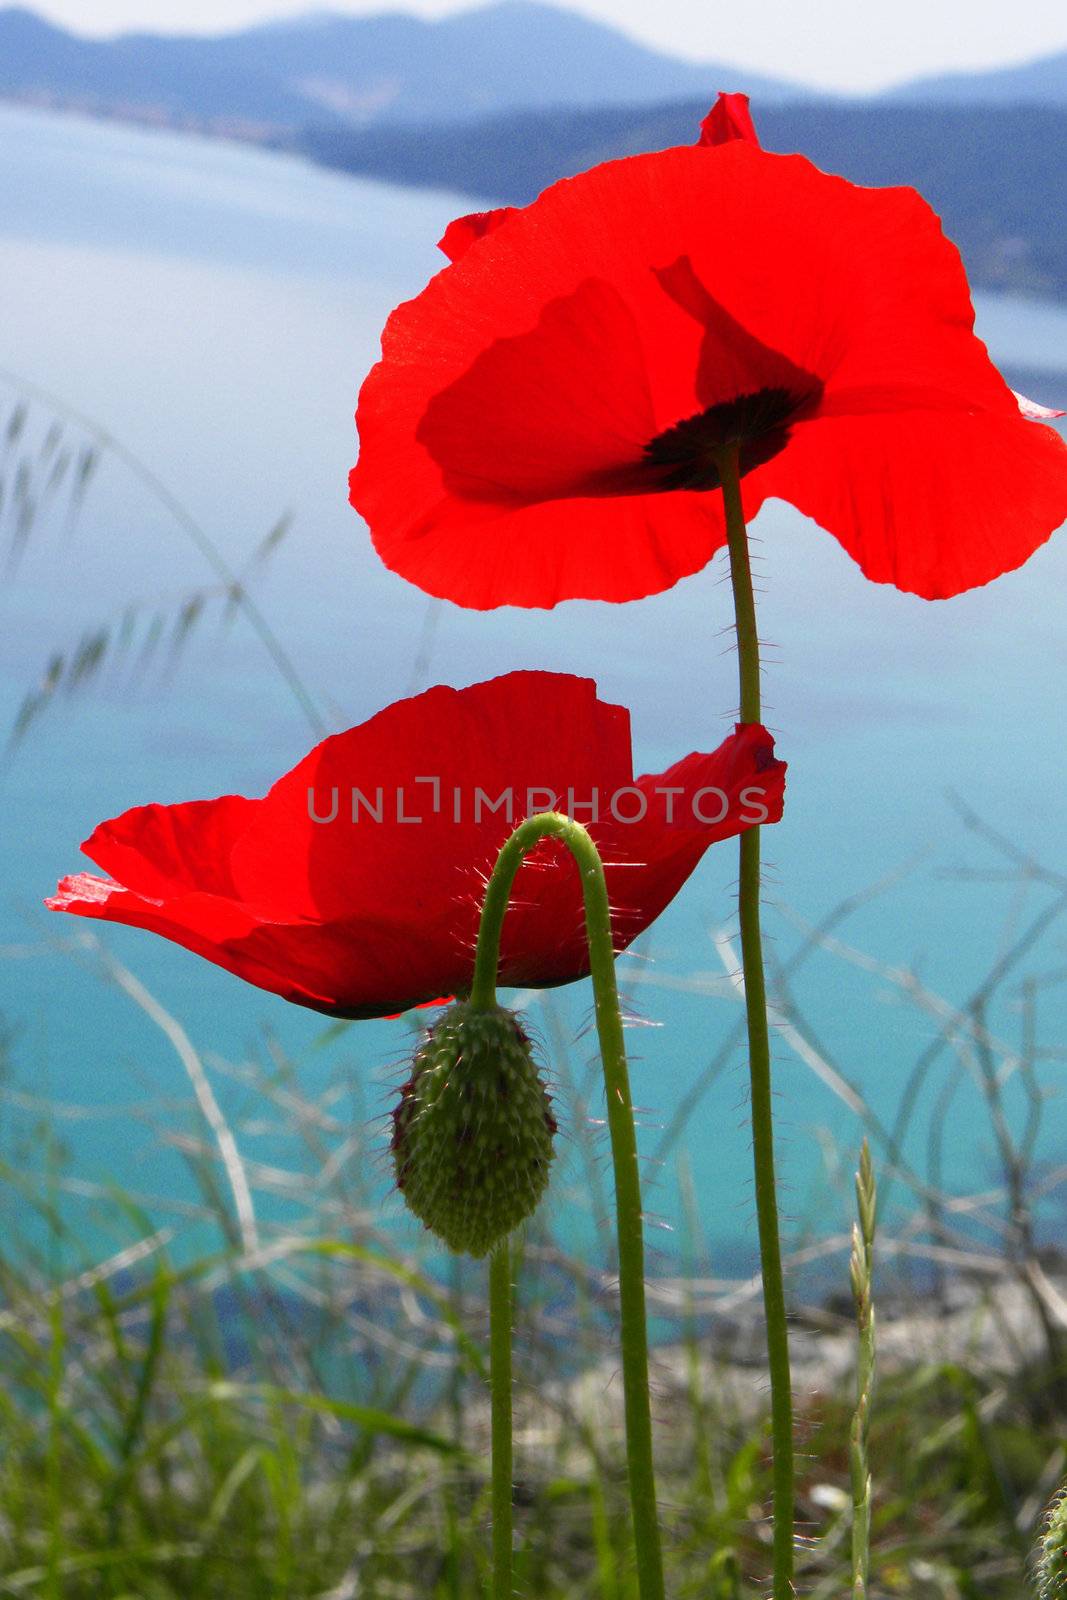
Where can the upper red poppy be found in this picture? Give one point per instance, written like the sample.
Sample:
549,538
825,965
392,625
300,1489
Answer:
543,421
355,885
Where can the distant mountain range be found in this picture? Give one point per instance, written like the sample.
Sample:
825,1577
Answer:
333,69
498,102
1042,82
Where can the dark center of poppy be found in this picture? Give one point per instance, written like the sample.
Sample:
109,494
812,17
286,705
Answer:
687,455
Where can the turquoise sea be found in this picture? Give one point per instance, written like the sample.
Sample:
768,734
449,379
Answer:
215,308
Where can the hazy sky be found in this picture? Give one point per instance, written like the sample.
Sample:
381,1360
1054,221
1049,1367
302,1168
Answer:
849,44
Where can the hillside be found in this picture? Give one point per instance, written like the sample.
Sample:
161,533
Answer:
499,101
998,177
338,70
1041,82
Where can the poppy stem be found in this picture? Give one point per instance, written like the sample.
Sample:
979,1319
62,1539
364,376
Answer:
759,1052
500,1324
629,1216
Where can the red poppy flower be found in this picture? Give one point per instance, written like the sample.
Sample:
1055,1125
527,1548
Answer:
354,887
543,422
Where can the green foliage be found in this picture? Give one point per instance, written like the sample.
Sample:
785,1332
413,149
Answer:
313,1423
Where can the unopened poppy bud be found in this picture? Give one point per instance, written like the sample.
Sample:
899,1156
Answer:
472,1135
1052,1552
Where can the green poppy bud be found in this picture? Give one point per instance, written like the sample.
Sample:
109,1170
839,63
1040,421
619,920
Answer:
472,1135
1052,1552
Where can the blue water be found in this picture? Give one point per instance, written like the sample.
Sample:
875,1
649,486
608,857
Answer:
216,308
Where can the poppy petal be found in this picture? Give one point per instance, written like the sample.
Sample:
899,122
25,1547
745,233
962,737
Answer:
729,118
465,231
933,501
1036,412
652,834
559,411
354,886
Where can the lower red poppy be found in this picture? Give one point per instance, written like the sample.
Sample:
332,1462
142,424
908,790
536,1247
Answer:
355,885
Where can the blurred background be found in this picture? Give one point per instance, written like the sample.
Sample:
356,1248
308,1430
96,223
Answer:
206,214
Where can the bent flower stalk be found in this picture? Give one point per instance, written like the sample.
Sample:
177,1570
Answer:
629,1218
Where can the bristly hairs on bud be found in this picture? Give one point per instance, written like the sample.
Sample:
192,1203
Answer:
1050,1565
472,1134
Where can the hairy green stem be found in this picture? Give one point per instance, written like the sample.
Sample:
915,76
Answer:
759,1052
500,1321
629,1218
